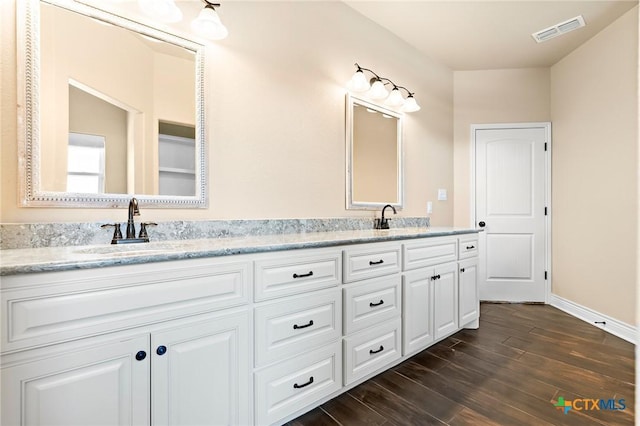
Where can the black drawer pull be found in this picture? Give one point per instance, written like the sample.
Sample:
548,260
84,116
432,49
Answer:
376,304
470,247
303,275
297,327
380,349
379,262
461,269
162,349
141,355
297,386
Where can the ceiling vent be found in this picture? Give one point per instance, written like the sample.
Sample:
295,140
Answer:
559,29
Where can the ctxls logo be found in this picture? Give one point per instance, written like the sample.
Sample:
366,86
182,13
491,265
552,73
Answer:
587,404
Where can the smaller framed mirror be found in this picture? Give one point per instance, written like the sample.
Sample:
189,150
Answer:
374,155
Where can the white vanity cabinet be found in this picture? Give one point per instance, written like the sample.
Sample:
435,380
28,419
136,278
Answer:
236,340
298,328
168,344
372,298
440,290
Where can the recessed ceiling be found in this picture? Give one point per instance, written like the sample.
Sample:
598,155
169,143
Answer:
475,35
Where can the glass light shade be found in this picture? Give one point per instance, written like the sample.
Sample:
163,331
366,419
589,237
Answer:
378,91
395,99
358,82
208,25
162,10
410,105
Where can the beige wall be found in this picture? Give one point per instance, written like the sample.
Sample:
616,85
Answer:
594,186
275,127
491,96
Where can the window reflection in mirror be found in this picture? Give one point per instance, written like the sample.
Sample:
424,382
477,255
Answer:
375,155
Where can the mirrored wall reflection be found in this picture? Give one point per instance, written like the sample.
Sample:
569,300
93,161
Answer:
177,153
100,81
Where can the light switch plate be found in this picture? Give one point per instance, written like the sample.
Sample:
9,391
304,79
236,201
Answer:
429,207
442,195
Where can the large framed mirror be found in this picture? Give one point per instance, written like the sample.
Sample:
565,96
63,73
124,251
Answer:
108,108
374,155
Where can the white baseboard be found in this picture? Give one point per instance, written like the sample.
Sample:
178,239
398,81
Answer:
612,325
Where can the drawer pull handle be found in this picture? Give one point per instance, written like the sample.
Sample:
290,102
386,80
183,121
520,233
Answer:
371,304
379,262
380,349
297,327
470,247
297,386
303,275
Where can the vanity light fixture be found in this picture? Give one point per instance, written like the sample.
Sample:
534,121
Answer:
208,23
375,89
162,10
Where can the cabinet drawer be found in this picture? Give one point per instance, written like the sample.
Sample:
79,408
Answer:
285,388
296,324
370,261
468,246
91,304
369,350
296,272
429,252
371,302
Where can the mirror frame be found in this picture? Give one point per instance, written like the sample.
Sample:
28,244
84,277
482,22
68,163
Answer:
371,205
29,138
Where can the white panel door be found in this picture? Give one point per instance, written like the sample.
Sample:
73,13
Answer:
510,203
200,372
106,384
417,310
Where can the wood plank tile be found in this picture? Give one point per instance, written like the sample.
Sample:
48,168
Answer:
396,409
314,417
347,410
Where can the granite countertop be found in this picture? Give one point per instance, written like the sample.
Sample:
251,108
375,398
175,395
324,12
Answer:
20,261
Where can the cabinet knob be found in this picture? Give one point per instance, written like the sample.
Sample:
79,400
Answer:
141,355
162,349
481,224
461,269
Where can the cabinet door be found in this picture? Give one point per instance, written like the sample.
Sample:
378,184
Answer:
445,308
468,288
101,385
417,313
200,371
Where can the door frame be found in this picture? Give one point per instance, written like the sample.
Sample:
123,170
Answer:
547,186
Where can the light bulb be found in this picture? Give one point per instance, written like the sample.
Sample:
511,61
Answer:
395,99
358,82
378,91
162,10
208,24
410,105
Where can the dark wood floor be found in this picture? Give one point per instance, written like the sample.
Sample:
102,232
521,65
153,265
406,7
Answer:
511,371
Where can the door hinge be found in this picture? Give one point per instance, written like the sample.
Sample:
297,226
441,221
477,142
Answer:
545,146
545,275
545,211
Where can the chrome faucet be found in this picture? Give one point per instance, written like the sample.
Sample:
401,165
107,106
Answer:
133,211
383,223
143,237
